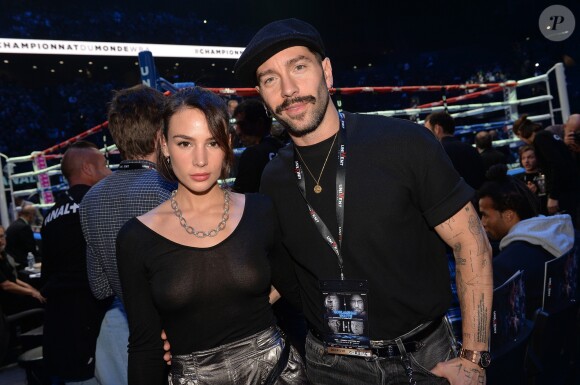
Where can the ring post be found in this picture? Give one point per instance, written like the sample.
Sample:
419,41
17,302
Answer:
562,92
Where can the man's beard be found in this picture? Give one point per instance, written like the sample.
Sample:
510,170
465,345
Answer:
317,115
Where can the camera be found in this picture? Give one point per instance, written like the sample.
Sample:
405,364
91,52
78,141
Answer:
576,135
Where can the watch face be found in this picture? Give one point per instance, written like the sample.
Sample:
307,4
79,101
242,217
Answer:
485,359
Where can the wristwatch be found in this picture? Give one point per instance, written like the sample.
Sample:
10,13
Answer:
483,358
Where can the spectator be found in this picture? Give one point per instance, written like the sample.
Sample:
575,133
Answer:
135,121
253,128
509,213
13,289
532,176
557,130
572,136
562,174
20,238
232,105
572,140
489,155
38,217
73,315
464,157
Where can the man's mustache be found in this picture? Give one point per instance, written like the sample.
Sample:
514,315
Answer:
299,99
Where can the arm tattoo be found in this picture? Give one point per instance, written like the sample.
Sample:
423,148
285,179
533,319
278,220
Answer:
482,321
460,284
472,374
448,223
475,229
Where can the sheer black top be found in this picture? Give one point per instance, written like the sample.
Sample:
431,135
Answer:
202,297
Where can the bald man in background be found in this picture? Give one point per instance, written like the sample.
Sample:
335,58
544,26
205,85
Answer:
73,315
20,237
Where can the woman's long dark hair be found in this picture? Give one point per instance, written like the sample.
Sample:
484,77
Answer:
524,127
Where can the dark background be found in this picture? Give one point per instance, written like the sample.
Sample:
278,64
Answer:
370,43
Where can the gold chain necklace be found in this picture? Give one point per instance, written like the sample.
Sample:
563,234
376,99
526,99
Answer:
317,187
199,233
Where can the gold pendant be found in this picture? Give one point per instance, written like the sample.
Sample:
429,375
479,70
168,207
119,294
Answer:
317,189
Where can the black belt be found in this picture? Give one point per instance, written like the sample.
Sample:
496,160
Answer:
412,342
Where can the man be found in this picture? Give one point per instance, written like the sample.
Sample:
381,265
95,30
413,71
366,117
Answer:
562,175
464,157
357,305
73,315
572,134
232,104
527,241
253,128
379,231
489,155
135,122
357,327
572,140
20,237
14,293
332,303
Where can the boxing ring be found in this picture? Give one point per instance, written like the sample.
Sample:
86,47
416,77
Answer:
503,102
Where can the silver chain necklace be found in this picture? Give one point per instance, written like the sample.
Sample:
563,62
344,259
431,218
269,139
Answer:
199,233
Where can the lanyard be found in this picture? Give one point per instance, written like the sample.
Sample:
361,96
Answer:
340,196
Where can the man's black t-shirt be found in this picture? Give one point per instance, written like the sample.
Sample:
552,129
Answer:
400,184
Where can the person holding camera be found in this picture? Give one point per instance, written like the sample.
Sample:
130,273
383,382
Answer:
572,140
572,135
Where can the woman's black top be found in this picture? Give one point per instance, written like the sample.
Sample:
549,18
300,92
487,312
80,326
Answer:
201,297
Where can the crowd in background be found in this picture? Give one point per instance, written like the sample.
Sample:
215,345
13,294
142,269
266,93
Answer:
48,113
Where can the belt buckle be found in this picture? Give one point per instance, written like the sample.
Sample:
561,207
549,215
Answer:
365,353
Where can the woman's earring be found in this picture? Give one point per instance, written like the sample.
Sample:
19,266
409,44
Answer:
168,160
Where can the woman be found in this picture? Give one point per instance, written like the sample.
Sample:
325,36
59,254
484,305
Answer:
532,175
562,176
200,265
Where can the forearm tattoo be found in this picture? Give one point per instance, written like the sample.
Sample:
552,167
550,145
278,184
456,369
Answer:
477,230
474,255
482,321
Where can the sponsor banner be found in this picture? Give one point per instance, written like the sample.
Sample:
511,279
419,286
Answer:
93,48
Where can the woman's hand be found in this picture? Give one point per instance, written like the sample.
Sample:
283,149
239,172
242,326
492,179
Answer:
166,347
274,295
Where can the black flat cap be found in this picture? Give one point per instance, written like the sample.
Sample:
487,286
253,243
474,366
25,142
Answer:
272,39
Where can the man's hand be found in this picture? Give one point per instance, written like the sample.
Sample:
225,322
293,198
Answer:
553,206
459,371
532,186
570,140
166,347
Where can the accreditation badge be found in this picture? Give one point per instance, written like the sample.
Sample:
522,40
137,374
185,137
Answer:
345,314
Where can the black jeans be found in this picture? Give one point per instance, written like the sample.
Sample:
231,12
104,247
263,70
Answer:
328,369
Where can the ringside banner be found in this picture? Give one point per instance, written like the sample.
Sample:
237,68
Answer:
94,48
